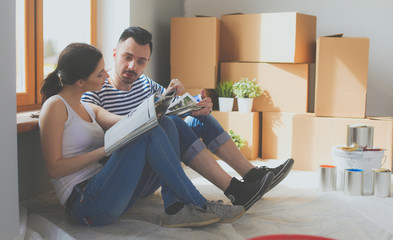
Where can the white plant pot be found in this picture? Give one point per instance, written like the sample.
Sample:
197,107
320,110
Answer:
245,104
225,104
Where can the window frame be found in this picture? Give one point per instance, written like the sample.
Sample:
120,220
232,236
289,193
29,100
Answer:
34,45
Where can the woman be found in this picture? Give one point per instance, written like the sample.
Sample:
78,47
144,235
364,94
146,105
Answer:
72,138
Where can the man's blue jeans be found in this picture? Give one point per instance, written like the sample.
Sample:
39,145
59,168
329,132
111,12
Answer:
193,129
130,174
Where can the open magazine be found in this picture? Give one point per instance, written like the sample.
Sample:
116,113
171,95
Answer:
183,105
145,117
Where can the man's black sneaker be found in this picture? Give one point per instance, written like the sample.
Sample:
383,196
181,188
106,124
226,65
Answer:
280,172
247,193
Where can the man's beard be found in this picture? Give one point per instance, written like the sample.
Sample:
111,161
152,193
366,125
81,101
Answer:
128,80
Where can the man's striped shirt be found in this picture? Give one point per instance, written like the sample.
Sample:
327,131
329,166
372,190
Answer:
122,102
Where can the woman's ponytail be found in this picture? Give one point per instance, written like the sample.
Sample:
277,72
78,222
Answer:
51,85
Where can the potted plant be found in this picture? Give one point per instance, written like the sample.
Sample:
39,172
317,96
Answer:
245,91
239,141
225,96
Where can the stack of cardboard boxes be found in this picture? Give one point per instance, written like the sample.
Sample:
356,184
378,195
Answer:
277,50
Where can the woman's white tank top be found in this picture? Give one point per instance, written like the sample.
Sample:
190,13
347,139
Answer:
79,137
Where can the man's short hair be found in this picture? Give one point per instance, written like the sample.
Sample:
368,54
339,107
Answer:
140,35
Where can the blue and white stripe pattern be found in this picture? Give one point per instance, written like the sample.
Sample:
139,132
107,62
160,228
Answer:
122,102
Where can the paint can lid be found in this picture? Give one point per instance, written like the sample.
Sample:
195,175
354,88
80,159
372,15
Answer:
381,170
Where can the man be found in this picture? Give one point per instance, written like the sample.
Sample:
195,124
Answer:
128,87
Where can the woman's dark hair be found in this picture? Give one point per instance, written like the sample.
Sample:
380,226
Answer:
76,61
140,35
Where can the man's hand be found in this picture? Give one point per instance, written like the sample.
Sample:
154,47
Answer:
206,103
175,84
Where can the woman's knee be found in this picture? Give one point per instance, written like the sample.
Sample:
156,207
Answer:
169,126
167,123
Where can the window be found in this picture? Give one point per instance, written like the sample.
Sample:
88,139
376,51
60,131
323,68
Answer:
44,28
20,36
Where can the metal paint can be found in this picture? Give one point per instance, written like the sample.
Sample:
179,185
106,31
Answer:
361,135
353,182
365,160
381,182
327,178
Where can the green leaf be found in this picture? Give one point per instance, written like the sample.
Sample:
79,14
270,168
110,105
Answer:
246,88
239,141
224,89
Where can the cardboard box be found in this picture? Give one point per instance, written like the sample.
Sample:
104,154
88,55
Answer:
310,139
195,91
268,37
195,51
341,77
247,125
284,85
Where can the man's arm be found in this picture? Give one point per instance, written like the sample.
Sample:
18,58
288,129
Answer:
154,86
91,97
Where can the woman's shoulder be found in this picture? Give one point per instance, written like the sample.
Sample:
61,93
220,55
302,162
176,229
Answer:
53,106
54,101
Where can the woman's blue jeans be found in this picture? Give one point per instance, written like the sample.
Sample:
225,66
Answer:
192,129
131,173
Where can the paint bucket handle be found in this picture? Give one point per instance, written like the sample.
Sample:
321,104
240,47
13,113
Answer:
384,160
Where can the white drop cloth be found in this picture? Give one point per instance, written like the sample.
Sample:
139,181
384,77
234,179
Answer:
293,207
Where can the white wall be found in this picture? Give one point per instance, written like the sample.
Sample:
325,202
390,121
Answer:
354,18
9,203
112,18
153,15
